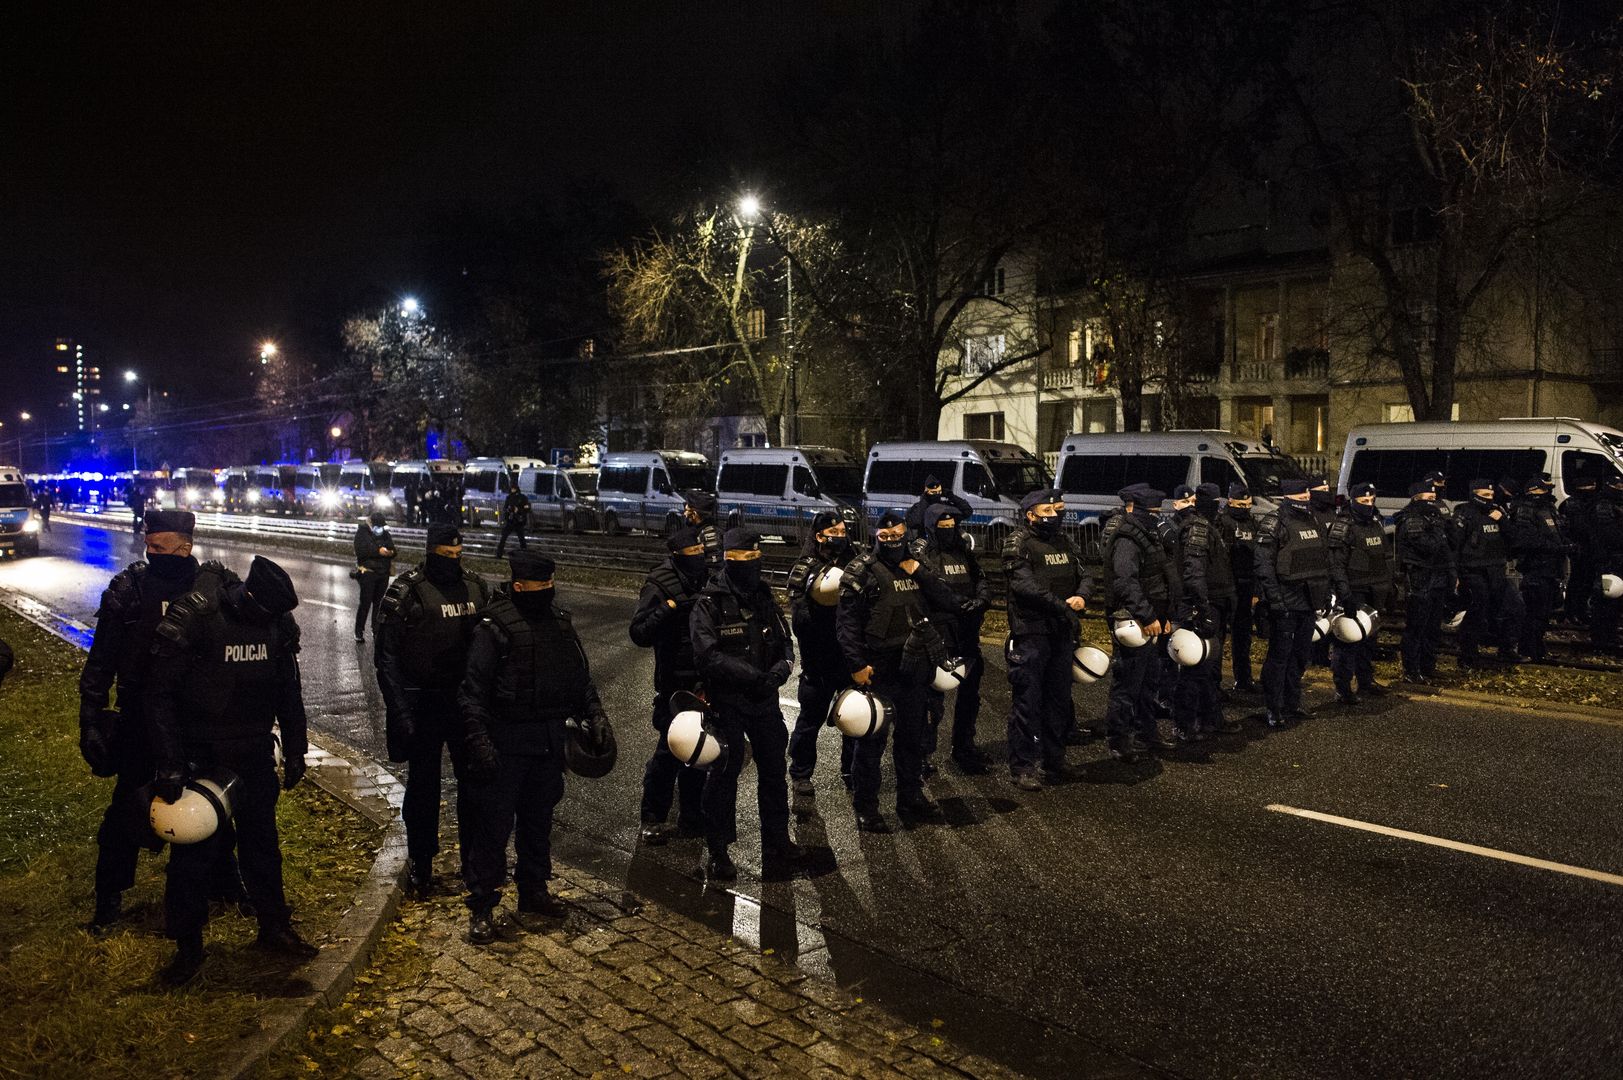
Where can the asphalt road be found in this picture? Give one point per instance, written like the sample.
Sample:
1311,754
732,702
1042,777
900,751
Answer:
1160,910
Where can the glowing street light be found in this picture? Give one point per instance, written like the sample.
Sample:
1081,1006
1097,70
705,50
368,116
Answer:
410,306
266,351
25,416
748,207
130,376
338,433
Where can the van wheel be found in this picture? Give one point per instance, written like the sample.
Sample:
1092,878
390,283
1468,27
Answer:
611,524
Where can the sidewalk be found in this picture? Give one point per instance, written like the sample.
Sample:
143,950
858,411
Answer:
616,988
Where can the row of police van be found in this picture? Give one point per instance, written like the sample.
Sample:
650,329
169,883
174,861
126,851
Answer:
778,490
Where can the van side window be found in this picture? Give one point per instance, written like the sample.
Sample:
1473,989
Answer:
770,480
805,483
1579,464
977,481
1467,465
1217,471
483,480
907,477
501,480
736,477
1392,471
624,478
541,484
1106,474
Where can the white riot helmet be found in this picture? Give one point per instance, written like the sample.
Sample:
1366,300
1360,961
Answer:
860,713
1089,664
1129,633
1188,648
949,675
1351,627
276,745
1611,586
1321,625
689,740
825,586
1454,622
202,808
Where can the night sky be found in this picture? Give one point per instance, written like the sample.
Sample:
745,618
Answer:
181,181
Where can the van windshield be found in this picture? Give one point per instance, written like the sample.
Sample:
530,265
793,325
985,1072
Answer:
843,480
584,483
14,495
685,477
1263,472
1014,479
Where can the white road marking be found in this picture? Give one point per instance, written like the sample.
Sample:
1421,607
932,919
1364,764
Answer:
328,603
1452,845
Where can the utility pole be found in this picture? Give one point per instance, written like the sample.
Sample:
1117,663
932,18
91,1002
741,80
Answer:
794,369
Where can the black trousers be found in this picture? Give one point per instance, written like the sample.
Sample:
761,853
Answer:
1483,590
966,709
1240,625
510,528
1581,577
663,773
905,692
1198,700
522,797
1132,698
1290,648
420,809
194,868
1350,662
815,695
373,585
1423,615
1603,616
125,828
768,741
1040,710
1539,596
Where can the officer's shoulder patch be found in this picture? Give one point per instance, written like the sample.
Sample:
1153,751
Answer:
1014,545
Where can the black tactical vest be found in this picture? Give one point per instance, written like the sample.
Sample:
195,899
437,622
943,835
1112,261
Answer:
748,635
438,624
1152,558
675,646
895,602
230,692
1369,551
1202,533
1053,564
1482,540
954,569
1303,554
529,669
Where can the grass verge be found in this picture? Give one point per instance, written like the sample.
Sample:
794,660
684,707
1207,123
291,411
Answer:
89,1008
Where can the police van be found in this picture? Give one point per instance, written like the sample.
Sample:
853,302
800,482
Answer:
777,490
486,482
642,489
415,476
992,477
363,486
194,489
252,489
561,499
1392,456
1091,469
315,489
19,523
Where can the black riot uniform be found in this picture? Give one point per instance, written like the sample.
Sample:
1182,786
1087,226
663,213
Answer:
424,626
1293,573
1208,600
226,671
741,644
1606,529
661,623
1540,549
1578,526
934,494
1427,561
883,622
117,742
1477,535
515,518
1239,530
1361,577
1138,584
943,551
526,677
374,562
822,667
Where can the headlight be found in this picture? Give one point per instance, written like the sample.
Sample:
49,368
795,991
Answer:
31,525
329,499
383,502
219,496
190,494
253,496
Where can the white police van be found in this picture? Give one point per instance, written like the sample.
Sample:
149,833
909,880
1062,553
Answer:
19,524
1393,456
315,489
252,489
1091,469
417,474
560,498
642,489
194,489
992,477
363,486
777,490
486,482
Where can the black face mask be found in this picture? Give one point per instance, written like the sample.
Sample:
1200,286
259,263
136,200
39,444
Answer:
949,539
442,569
744,574
1362,512
532,604
1296,507
1239,513
1046,526
690,567
1321,500
891,552
834,548
171,567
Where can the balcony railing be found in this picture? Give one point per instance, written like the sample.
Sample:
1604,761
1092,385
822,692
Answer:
1059,378
1051,461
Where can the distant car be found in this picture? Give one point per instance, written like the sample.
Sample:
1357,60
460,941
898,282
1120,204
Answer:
19,521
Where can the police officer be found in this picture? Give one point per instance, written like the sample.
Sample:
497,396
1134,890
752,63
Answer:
432,505
940,547
1293,572
527,676
741,644
1606,531
822,666
1476,533
424,626
661,623
374,561
1540,549
1428,567
1239,531
226,671
934,495
882,622
1577,525
1138,585
515,517
1361,577
699,511
117,742
1208,599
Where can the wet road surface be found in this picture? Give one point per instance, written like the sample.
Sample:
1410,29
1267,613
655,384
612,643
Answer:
1162,910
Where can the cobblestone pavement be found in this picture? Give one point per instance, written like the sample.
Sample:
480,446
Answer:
618,988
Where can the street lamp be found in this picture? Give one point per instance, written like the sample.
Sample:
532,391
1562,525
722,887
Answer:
266,351
748,207
410,306
130,376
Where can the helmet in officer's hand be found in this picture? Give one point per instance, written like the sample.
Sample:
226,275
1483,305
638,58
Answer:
202,808
949,675
590,750
825,586
1351,627
1089,664
1129,633
1611,586
1188,648
1321,625
691,741
860,713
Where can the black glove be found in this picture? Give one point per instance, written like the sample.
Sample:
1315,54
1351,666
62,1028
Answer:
170,783
600,731
97,730
484,765
293,771
972,607
400,733
779,673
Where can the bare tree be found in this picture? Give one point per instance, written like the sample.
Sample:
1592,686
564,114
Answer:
408,377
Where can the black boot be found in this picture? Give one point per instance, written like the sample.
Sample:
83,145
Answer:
539,901
419,878
187,961
719,867
481,928
653,833
280,937
109,906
